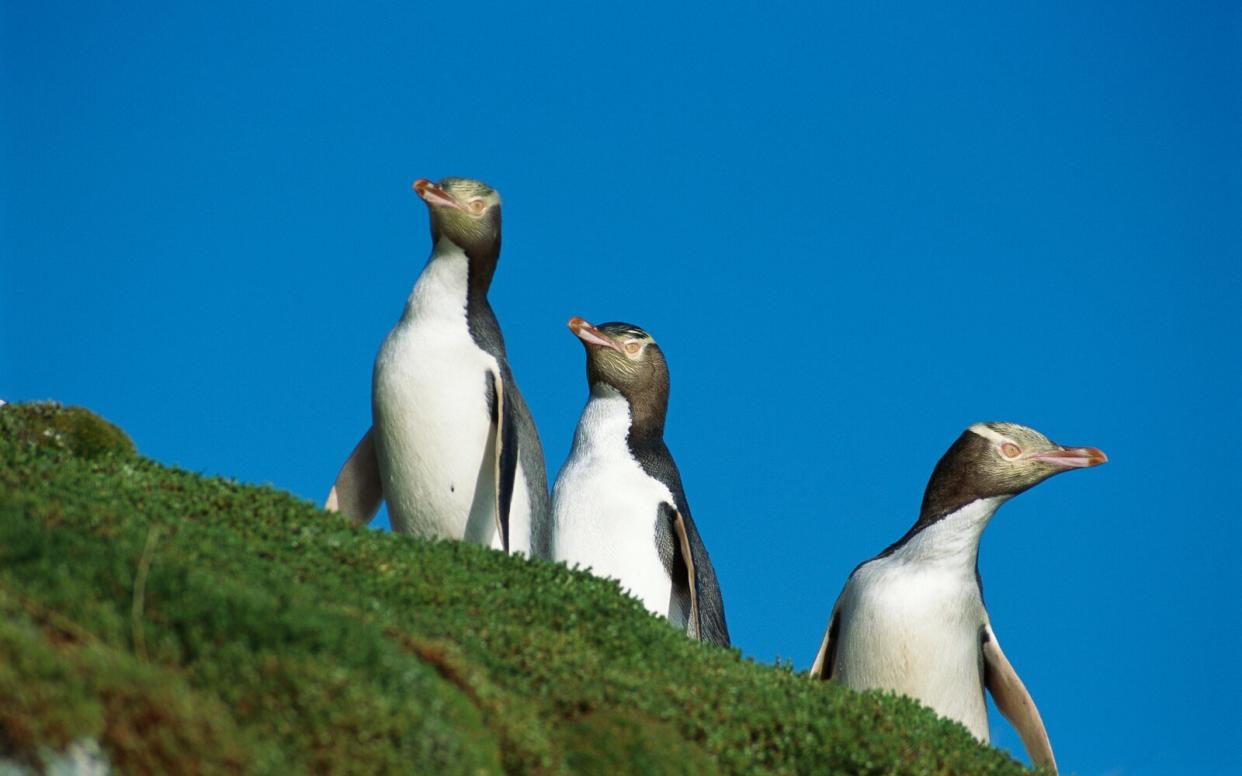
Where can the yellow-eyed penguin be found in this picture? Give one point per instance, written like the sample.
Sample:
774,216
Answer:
452,447
912,620
618,504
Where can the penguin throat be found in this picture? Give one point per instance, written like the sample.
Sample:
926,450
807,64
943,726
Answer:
646,418
951,540
481,259
449,282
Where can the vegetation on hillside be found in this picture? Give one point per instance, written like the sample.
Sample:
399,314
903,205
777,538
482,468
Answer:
189,624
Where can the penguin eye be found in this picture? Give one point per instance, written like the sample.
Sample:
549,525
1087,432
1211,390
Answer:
476,206
1010,450
632,347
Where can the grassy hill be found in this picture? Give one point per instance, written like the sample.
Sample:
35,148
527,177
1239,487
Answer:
187,624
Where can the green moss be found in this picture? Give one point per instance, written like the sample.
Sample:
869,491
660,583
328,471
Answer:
75,430
61,685
193,624
612,741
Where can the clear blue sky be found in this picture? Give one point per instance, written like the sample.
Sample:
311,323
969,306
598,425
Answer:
853,232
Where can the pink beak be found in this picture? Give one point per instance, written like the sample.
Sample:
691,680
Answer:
591,335
1073,457
433,195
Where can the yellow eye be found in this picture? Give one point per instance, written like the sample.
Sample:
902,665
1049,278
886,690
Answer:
632,347
1010,450
477,206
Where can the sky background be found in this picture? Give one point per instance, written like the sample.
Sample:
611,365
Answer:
853,233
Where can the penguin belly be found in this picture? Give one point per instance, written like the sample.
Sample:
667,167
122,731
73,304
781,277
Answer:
605,510
915,633
435,441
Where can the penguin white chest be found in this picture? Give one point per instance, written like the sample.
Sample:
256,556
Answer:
430,400
605,509
910,623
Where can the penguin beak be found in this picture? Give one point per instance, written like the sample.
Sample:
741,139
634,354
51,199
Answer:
1073,457
591,335
433,195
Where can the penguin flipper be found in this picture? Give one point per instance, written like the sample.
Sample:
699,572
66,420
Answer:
357,492
505,456
1013,701
827,655
681,546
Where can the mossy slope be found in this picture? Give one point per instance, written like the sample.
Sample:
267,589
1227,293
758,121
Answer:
192,624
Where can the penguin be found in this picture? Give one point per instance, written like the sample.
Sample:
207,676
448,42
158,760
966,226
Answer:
618,506
912,619
452,447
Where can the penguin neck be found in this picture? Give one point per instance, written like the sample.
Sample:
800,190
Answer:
454,281
481,260
951,540
646,428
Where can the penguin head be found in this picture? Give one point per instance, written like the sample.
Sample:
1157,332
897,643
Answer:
999,460
465,211
628,359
